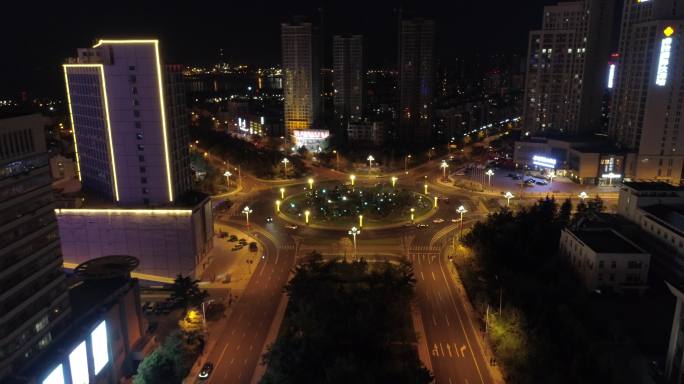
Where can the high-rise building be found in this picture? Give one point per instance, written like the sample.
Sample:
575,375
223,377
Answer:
565,79
33,296
301,76
416,80
129,123
348,78
649,91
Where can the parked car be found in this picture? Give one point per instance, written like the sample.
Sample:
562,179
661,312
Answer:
233,238
206,371
242,242
290,226
438,221
253,246
542,182
223,234
455,220
422,226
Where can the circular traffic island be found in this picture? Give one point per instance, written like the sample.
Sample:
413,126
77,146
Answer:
340,207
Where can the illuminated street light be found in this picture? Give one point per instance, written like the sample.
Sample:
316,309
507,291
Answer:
370,162
246,210
227,174
353,232
552,175
282,193
425,187
306,216
352,178
311,181
394,181
285,161
360,221
461,209
444,167
583,195
490,173
508,197
277,205
413,210
436,198
337,158
406,160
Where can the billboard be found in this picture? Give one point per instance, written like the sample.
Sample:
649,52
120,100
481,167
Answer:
98,340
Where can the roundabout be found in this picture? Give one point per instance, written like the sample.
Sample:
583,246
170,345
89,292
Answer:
341,206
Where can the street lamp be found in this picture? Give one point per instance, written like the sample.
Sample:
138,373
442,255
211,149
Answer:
436,198
444,167
413,210
425,187
337,158
461,209
406,160
552,175
311,181
583,195
277,205
508,197
394,181
227,174
370,162
306,216
353,232
282,193
490,173
352,178
360,221
285,161
246,210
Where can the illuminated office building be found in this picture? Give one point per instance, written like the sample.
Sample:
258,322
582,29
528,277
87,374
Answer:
301,76
565,80
33,298
416,80
129,122
348,76
649,91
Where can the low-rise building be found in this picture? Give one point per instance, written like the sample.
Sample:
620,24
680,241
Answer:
366,132
605,259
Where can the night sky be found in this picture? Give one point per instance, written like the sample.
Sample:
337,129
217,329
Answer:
41,36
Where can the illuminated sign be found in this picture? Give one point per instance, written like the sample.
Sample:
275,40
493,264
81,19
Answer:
664,58
100,345
56,376
611,175
78,364
542,161
311,134
611,75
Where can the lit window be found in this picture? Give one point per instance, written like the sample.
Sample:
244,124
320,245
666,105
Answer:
98,339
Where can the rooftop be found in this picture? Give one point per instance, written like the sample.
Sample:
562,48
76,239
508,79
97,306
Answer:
606,241
188,200
672,216
645,186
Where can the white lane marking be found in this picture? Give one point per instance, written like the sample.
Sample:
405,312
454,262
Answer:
456,349
245,362
441,349
421,275
277,255
251,346
434,319
231,361
449,350
439,295
220,359
237,348
447,319
433,276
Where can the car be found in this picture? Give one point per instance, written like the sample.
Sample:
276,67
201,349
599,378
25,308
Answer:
530,181
253,246
290,226
223,235
269,219
206,370
516,177
541,182
233,238
422,226
455,220
438,221
242,242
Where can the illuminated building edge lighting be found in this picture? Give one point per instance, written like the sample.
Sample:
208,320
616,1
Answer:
611,76
73,125
149,212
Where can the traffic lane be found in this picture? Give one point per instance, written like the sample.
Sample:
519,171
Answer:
238,351
455,353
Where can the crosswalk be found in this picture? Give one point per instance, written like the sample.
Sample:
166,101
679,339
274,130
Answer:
287,247
424,248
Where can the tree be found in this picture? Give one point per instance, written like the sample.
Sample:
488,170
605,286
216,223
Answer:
170,363
187,291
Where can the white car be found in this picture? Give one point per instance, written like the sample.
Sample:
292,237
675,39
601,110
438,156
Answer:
291,227
438,221
454,220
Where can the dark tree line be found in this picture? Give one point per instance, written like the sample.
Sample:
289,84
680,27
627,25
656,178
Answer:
347,323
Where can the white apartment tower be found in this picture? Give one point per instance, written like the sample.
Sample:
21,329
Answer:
129,123
565,68
348,76
301,76
649,89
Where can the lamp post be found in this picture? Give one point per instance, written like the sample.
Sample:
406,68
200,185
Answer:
282,193
352,178
285,161
360,221
337,159
306,216
508,197
353,232
461,209
489,174
583,195
406,160
227,174
425,188
413,211
444,167
394,181
246,210
310,181
436,198
277,205
370,163
552,175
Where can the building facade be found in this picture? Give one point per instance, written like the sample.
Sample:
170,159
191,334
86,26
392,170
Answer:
301,76
129,122
348,81
649,85
564,85
416,80
34,304
366,132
